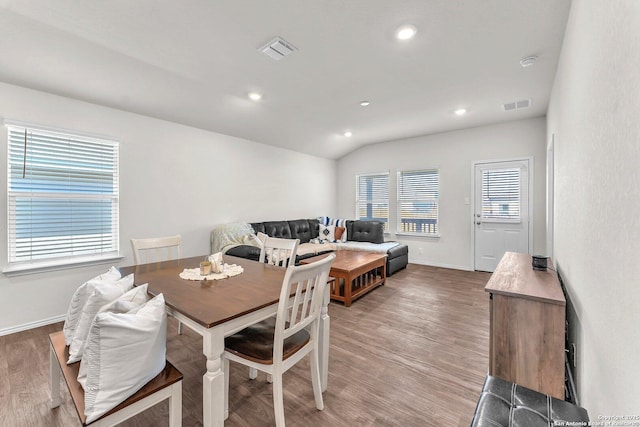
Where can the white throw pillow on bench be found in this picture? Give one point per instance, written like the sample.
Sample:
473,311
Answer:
102,294
124,352
79,299
130,302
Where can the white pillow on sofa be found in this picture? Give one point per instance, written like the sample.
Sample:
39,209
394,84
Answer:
326,233
129,302
80,298
102,294
124,352
336,222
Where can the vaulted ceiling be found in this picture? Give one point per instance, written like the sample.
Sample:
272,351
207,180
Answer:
195,61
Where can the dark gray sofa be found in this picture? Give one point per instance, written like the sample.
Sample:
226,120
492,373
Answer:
308,229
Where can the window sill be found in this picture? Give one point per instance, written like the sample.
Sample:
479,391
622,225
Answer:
44,266
430,236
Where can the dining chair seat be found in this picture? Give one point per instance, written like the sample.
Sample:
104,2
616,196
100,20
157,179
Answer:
255,343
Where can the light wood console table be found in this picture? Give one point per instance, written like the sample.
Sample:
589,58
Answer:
527,311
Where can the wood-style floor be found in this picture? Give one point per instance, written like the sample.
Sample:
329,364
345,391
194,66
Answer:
411,353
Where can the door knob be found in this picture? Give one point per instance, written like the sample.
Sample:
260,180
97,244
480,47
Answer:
478,222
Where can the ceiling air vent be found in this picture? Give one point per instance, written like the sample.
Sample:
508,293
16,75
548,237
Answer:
517,105
277,48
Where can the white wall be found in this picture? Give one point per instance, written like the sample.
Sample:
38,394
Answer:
594,116
174,179
452,153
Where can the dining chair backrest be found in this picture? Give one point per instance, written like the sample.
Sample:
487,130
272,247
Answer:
278,251
300,301
156,249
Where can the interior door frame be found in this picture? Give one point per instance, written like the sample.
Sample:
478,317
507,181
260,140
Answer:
472,207
550,200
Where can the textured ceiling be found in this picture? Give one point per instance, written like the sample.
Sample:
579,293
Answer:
194,61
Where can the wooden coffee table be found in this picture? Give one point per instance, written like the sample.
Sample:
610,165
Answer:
356,273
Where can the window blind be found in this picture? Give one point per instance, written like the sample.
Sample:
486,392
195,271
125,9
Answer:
372,198
418,193
62,196
501,194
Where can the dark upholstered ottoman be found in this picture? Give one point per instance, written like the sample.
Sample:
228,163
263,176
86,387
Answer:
397,258
503,403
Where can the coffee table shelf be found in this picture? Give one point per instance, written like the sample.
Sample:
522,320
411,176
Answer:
356,274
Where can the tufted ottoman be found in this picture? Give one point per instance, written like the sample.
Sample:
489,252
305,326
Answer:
503,403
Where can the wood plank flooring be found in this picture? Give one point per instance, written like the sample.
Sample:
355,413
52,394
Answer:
413,352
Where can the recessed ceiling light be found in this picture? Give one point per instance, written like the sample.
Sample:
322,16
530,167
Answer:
255,96
406,32
365,103
460,112
348,134
528,61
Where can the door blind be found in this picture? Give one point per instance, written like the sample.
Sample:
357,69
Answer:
62,196
501,194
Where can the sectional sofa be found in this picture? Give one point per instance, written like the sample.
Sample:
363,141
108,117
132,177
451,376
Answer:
360,235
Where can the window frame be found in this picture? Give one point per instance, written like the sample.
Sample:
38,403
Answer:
103,253
373,200
401,198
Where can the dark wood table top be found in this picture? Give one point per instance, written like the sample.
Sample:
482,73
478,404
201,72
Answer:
211,302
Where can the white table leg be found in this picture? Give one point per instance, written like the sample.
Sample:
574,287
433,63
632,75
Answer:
213,389
54,377
323,355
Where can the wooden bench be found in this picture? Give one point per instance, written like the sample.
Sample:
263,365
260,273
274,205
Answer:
167,385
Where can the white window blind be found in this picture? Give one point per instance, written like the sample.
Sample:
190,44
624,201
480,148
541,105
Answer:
418,202
62,197
372,198
501,194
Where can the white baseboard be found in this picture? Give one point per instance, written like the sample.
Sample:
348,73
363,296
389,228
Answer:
31,325
431,264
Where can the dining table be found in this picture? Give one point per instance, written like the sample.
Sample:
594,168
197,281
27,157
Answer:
216,309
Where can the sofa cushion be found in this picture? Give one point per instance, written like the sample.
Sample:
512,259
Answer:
378,248
245,251
258,227
279,229
365,231
300,229
314,226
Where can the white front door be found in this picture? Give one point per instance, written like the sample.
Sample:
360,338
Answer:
501,211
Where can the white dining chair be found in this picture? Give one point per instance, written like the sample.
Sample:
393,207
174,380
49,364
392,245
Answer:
157,249
276,344
281,252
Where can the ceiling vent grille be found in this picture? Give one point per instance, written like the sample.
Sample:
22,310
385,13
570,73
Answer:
277,48
517,105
